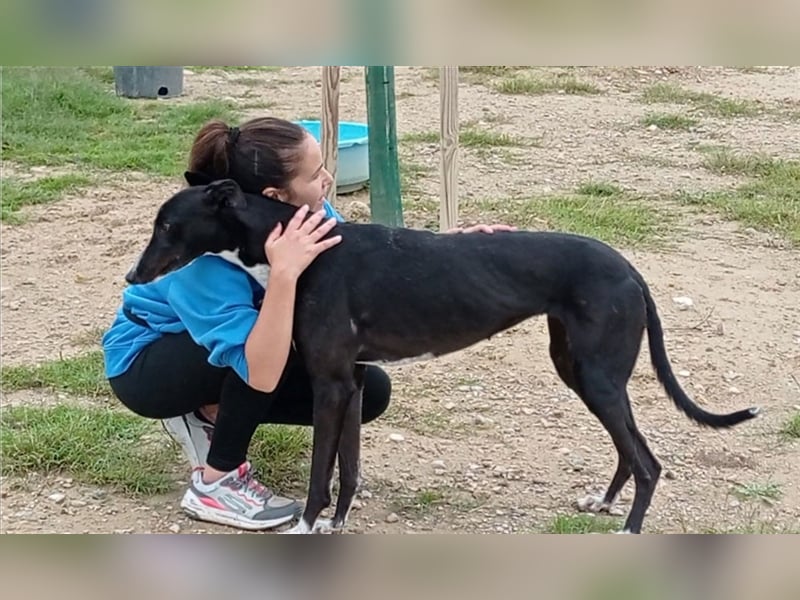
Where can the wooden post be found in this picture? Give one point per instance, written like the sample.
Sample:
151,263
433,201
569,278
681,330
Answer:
329,137
448,92
384,172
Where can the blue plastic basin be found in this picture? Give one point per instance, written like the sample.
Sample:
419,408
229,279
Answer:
352,165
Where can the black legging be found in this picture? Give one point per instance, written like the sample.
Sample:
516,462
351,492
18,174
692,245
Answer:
172,377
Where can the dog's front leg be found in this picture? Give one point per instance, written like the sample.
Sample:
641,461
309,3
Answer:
330,404
349,453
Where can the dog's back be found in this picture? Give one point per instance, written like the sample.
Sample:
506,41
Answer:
384,278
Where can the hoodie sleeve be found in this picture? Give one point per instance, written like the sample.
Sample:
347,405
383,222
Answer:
214,300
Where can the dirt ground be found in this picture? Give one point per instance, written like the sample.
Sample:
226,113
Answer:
492,440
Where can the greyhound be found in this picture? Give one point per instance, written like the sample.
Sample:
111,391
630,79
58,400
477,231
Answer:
391,294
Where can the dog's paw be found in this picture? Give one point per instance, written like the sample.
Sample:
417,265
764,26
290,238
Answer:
323,526
301,528
597,504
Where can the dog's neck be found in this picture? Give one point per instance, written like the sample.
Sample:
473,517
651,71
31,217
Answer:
257,220
258,271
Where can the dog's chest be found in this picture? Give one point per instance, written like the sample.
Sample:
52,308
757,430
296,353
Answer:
259,272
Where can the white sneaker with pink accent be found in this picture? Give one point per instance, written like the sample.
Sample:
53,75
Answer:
238,500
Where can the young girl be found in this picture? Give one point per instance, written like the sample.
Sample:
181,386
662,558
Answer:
208,351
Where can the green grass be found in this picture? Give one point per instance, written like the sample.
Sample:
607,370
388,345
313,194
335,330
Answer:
722,161
474,138
669,121
710,104
424,501
104,75
770,202
17,193
79,376
615,219
599,189
530,85
278,452
94,446
64,116
491,70
583,523
764,492
470,137
792,428
281,455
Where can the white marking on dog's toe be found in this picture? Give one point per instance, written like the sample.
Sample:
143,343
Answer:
597,504
592,504
301,528
322,526
623,532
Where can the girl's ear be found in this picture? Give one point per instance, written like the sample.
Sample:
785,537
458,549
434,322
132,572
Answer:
274,194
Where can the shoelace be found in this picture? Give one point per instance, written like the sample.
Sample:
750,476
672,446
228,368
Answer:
259,490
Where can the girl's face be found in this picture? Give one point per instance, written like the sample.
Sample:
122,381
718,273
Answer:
312,182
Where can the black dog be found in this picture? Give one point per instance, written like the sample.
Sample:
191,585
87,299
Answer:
386,294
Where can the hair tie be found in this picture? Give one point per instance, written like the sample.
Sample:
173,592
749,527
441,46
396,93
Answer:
233,134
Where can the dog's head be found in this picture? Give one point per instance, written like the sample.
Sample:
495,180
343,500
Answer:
197,220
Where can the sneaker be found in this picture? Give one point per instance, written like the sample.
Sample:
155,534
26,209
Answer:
237,499
193,435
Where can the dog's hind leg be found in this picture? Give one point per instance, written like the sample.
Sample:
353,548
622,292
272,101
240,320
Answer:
563,362
349,453
608,402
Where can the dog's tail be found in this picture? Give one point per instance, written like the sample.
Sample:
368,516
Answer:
658,356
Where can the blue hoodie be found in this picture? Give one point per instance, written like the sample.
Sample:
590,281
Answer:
212,299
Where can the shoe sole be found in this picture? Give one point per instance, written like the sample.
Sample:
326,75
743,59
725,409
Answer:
204,513
182,436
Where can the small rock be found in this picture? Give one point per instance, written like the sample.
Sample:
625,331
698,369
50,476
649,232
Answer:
683,302
392,518
450,405
669,475
528,411
720,328
123,531
58,497
396,437
734,390
481,420
684,373
175,528
653,127
734,503
438,464
77,503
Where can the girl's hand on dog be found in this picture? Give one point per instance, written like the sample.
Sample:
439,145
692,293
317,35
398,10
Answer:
291,251
482,228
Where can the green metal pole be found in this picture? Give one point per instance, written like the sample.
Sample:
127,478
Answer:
384,173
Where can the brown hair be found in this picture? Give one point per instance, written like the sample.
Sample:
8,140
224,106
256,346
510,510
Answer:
262,152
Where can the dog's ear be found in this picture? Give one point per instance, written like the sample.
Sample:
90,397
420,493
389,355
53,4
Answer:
225,193
197,178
